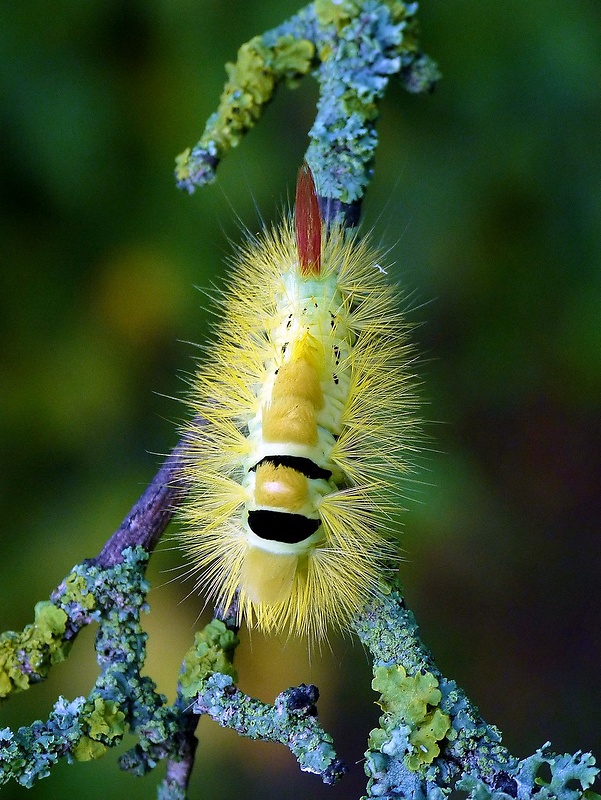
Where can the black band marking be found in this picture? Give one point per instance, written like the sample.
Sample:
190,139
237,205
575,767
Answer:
304,465
279,526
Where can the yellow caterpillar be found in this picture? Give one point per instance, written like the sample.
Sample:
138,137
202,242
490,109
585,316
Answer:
305,416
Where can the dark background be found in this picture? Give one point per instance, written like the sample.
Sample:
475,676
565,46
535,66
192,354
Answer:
488,192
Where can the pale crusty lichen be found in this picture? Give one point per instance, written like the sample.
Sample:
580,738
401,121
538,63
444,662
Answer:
292,721
122,698
352,47
432,739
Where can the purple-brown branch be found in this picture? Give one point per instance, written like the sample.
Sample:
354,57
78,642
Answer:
150,515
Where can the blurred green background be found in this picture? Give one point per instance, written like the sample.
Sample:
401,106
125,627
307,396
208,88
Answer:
488,192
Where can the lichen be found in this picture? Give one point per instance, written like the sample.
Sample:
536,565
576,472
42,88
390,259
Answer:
29,753
338,14
27,656
426,712
83,729
410,703
213,651
77,591
103,722
252,79
353,48
292,720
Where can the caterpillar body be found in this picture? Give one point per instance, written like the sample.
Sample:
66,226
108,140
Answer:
304,421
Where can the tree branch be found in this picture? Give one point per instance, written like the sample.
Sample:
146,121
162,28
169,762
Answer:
431,737
352,48
150,515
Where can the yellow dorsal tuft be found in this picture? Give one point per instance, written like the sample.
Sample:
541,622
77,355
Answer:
289,416
298,378
280,487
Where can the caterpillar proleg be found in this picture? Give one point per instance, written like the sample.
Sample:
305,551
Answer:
308,416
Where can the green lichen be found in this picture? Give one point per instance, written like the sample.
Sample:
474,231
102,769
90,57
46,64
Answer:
83,729
50,621
406,696
291,59
88,749
410,702
26,656
252,80
212,651
425,739
106,721
76,591
388,629
338,14
103,722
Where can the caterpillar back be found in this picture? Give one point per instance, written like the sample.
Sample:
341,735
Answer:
307,412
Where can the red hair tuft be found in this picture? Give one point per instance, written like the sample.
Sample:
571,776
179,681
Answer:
307,223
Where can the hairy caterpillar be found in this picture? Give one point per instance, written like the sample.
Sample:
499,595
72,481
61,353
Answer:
307,416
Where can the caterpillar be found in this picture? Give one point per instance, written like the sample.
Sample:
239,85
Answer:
304,418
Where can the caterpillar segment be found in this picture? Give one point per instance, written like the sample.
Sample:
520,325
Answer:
309,420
